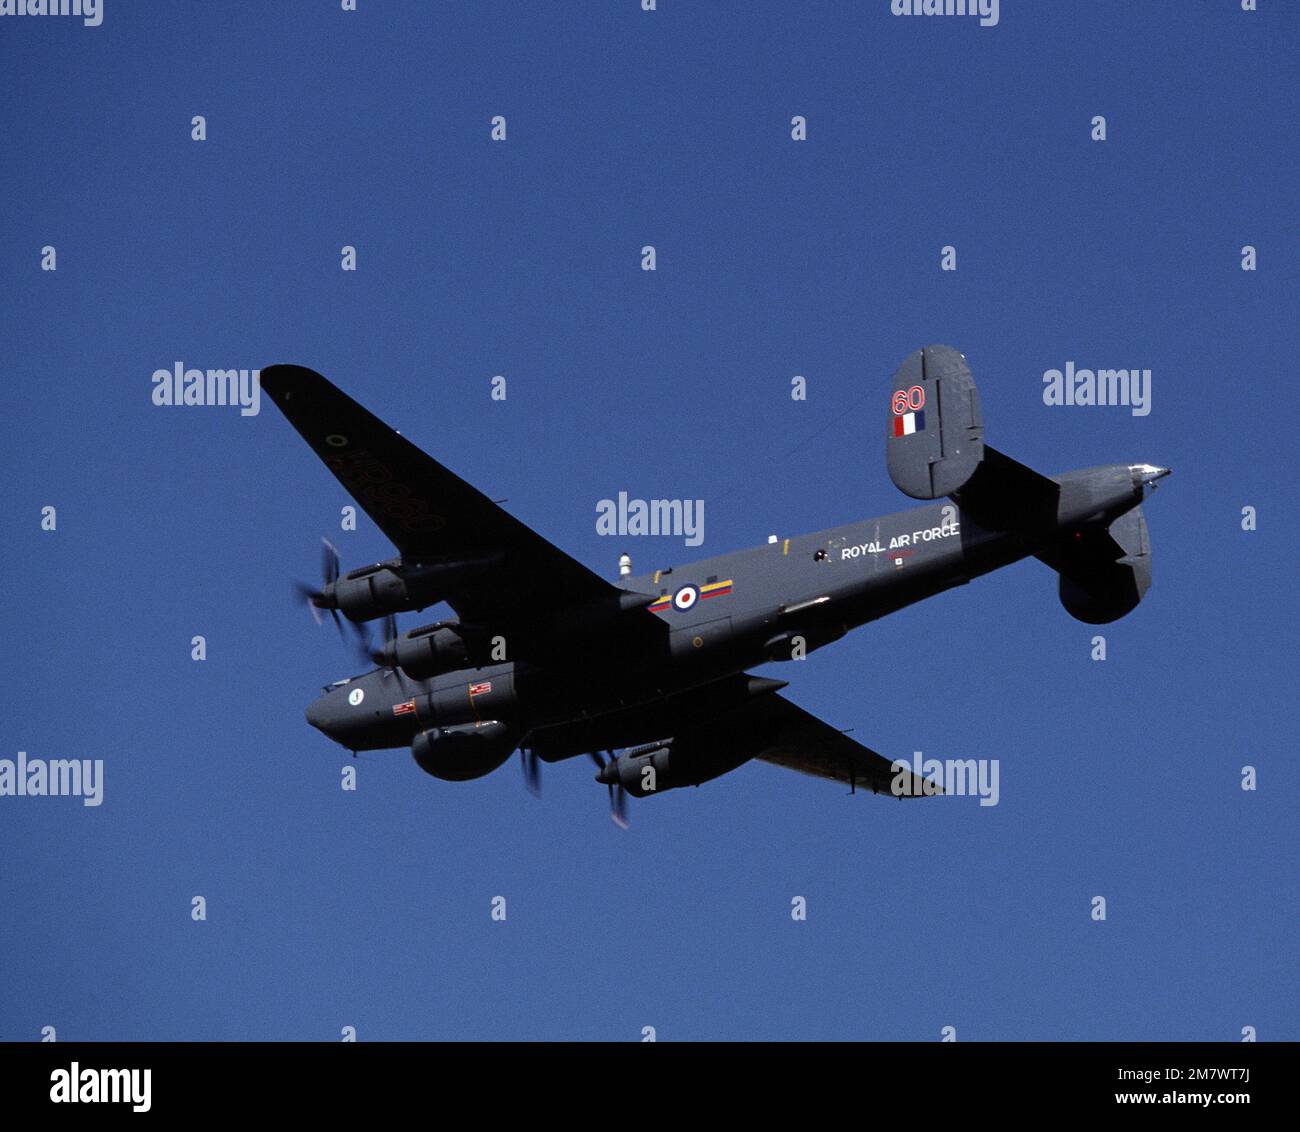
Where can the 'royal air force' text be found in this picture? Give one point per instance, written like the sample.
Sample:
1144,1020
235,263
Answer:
906,539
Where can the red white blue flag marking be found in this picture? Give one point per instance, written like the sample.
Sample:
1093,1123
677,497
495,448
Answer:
909,423
909,410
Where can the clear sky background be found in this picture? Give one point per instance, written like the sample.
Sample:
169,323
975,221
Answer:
775,258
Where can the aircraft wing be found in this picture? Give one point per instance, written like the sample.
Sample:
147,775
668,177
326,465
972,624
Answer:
721,725
429,513
788,736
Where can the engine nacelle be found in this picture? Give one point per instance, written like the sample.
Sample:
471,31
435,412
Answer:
433,649
391,587
672,763
469,750
646,770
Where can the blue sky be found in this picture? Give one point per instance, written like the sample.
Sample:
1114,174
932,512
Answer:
775,258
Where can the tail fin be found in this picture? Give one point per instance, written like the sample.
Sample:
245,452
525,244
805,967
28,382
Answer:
934,445
935,435
1105,570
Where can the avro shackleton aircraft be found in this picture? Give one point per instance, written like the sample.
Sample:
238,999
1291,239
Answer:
547,658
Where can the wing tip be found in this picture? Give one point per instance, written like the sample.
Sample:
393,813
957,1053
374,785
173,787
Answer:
284,377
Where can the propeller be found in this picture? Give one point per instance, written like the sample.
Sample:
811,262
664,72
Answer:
308,597
382,656
532,768
320,600
617,793
324,600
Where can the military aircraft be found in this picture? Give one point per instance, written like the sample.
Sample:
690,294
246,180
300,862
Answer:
548,658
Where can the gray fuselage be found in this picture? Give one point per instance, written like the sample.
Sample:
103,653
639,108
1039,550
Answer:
721,616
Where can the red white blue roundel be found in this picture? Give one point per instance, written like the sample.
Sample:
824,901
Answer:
684,598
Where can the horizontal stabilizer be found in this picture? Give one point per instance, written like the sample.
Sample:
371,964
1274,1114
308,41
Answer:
934,437
1004,495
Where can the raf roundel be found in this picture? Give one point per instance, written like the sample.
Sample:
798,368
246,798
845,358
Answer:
684,598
